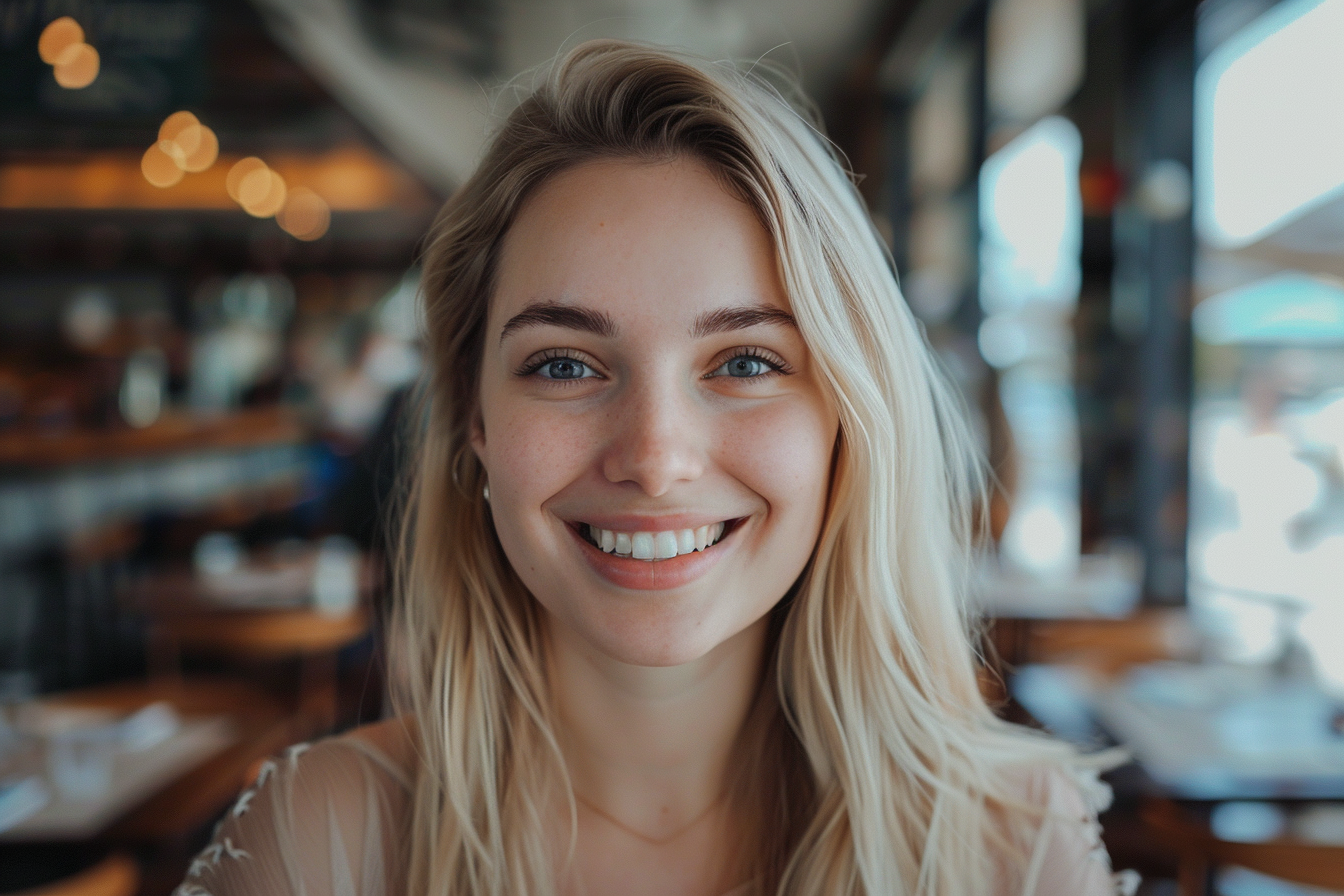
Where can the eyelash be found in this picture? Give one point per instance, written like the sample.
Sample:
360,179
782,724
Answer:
778,366
533,365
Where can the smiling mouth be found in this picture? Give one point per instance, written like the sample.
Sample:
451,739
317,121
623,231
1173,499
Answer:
654,546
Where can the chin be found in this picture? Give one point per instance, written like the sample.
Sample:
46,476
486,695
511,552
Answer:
663,643
658,655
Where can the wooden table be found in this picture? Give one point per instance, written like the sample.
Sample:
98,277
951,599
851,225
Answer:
259,614
182,800
1201,732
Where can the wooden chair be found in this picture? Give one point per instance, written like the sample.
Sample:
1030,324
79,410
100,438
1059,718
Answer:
268,636
116,875
1200,852
1107,647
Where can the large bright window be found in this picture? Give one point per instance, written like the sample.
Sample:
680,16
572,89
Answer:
1266,532
1031,225
1269,122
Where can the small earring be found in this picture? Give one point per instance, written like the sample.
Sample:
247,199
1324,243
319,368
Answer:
486,492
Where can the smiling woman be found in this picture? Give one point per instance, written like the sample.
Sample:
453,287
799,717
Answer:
660,389
680,609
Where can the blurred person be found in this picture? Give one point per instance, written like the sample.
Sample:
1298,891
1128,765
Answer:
681,597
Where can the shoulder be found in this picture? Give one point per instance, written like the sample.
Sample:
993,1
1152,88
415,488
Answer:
395,737
1067,855
337,772
391,742
1062,790
327,816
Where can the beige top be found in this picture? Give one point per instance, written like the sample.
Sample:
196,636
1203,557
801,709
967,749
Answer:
327,818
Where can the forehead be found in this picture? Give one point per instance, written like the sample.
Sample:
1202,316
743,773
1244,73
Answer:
623,229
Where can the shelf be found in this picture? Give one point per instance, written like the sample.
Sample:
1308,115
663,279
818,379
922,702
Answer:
91,479
174,433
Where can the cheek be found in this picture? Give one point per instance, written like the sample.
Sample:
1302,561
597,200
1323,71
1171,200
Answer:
530,454
784,454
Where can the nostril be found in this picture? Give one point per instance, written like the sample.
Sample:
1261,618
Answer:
655,470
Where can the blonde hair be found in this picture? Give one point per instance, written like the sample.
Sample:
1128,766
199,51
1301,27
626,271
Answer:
872,762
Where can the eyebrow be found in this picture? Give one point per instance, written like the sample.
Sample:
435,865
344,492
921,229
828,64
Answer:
724,320
553,314
576,317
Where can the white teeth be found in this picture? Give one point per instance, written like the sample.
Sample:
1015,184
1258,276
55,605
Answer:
641,546
656,545
664,545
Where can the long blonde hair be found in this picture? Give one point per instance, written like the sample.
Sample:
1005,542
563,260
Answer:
874,765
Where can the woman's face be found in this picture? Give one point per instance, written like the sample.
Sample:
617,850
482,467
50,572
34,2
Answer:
644,391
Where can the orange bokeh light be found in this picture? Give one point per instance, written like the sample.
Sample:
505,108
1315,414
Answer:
254,187
57,37
175,124
159,168
241,169
180,136
262,193
348,179
205,153
306,215
76,67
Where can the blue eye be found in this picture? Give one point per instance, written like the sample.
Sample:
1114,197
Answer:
745,367
564,369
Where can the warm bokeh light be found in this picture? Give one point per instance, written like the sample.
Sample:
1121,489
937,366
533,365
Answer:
305,216
76,67
254,187
192,145
180,136
159,168
174,150
60,35
262,193
175,124
348,179
241,169
205,153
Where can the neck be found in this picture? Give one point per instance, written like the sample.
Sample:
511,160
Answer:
650,748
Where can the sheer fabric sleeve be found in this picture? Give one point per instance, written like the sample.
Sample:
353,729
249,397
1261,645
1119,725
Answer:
1068,858
322,819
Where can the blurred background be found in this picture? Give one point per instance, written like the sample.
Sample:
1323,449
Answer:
1119,221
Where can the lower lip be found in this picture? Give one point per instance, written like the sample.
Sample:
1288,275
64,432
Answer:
651,575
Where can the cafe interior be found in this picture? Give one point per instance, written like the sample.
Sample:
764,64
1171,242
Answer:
1119,223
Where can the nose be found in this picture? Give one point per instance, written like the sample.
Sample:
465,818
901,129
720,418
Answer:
658,439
